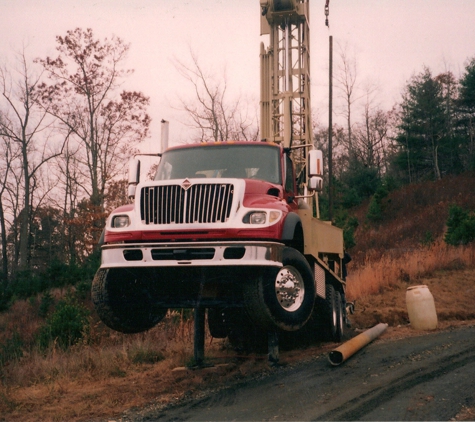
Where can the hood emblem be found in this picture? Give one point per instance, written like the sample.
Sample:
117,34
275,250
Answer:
186,184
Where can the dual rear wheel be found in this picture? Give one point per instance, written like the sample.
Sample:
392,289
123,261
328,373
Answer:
333,314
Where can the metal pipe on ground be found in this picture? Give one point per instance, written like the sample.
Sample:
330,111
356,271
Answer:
348,349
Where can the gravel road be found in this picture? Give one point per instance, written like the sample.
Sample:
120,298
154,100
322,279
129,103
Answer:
428,377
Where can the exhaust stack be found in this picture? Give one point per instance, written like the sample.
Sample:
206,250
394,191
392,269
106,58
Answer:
164,135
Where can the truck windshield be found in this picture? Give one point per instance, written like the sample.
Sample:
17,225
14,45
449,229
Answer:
221,161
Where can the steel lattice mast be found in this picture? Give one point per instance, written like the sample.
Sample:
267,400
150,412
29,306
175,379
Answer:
285,73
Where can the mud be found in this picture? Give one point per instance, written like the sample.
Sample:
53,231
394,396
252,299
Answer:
425,377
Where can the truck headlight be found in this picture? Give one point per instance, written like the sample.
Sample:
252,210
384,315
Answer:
120,221
255,217
262,217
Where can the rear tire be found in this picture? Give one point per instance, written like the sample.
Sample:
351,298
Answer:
330,313
282,298
123,301
340,331
243,334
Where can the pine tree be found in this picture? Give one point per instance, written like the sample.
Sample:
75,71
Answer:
422,130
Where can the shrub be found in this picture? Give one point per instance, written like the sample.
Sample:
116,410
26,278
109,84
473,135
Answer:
11,349
83,288
65,326
358,182
460,226
349,225
5,297
45,304
376,208
428,239
27,283
58,274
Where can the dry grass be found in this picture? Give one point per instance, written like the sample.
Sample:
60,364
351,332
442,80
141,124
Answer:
409,267
453,292
379,287
108,373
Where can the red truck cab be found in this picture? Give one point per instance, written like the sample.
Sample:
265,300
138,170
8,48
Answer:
233,191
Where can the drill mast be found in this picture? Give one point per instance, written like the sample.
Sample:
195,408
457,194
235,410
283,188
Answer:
285,74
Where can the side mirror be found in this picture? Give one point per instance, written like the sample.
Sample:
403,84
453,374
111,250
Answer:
315,183
315,163
134,177
315,170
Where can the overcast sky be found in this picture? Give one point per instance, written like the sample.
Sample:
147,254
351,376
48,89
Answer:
390,39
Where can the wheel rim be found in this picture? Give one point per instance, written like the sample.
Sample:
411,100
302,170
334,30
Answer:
289,289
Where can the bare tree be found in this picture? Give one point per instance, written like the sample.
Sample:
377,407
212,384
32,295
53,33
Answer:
26,125
371,139
346,76
72,179
8,154
211,114
83,93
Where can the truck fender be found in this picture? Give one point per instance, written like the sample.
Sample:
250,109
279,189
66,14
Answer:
291,221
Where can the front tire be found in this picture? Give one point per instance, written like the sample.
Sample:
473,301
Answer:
282,298
123,301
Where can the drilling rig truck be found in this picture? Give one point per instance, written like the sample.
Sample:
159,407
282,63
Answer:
233,227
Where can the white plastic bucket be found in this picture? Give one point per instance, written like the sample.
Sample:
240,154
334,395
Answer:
421,308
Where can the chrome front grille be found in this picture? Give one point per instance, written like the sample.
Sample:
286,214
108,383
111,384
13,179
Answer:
173,204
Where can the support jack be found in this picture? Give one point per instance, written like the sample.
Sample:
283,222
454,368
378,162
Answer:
199,337
199,341
273,347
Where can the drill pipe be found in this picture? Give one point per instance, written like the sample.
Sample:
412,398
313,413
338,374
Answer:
348,349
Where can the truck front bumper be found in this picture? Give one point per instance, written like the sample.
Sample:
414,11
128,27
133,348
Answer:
193,254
